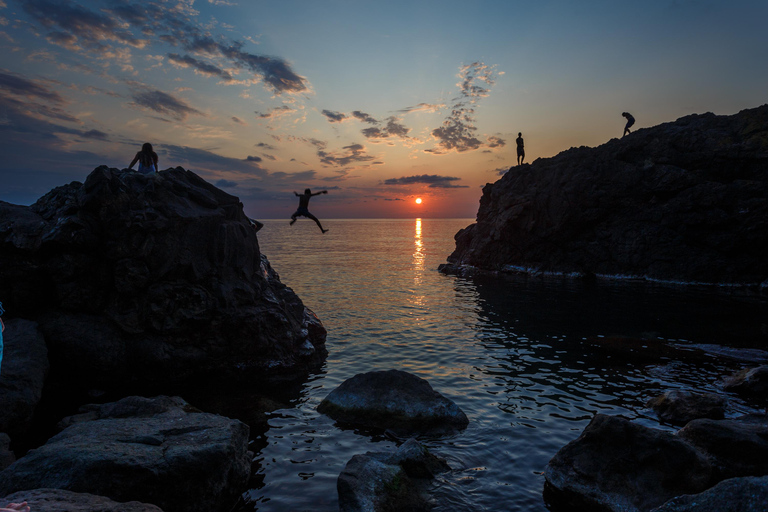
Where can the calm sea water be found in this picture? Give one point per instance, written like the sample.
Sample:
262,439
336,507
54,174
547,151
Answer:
529,360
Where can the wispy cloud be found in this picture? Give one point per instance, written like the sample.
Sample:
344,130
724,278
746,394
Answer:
393,128
433,180
21,86
423,107
275,112
199,66
334,117
362,116
164,103
354,153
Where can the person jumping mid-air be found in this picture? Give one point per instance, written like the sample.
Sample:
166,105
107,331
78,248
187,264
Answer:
520,149
630,121
303,210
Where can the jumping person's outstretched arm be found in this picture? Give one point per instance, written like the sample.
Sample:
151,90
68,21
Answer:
321,192
294,193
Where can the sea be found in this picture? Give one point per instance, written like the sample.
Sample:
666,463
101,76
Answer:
530,359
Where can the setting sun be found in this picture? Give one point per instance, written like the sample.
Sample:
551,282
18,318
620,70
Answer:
418,200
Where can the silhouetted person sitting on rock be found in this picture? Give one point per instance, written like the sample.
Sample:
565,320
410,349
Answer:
630,121
520,148
147,159
304,205
15,507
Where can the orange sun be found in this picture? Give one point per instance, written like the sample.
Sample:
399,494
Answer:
418,200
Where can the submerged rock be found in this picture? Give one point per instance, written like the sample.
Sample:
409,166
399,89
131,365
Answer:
682,201
177,459
56,500
22,375
618,466
393,399
748,494
379,481
144,279
736,447
678,407
750,382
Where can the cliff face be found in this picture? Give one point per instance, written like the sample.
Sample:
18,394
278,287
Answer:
682,201
150,278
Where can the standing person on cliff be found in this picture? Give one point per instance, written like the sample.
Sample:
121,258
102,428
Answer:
520,148
147,158
630,121
303,209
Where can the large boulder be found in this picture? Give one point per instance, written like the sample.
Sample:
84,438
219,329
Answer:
750,382
7,457
682,201
137,278
380,481
748,494
736,447
618,466
158,451
57,500
22,375
395,400
678,406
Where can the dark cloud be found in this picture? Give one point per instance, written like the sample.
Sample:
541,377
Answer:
202,67
334,117
362,116
95,134
423,107
20,86
354,153
196,159
237,120
164,103
501,170
118,23
433,180
274,112
269,157
253,159
293,177
393,128
264,145
226,183
496,142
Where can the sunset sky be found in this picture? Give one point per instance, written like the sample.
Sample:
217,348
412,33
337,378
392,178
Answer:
377,102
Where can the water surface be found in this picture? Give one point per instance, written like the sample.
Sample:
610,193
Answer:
529,360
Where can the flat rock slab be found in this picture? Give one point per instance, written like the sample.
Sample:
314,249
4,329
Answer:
179,460
56,500
748,494
616,465
395,400
380,481
750,382
678,407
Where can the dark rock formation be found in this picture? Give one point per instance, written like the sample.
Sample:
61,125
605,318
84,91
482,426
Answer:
56,500
682,201
7,457
616,465
176,458
378,481
148,278
736,447
22,376
392,399
749,494
750,382
678,407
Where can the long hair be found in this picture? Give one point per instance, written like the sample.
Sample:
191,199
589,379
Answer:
147,155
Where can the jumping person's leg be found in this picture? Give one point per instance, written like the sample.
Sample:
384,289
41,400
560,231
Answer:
317,222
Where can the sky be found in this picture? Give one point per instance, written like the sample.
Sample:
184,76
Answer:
377,102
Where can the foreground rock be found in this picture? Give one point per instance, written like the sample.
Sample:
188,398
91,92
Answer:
619,466
378,481
393,399
7,457
678,407
56,500
22,375
750,382
150,278
156,451
749,494
682,201
736,447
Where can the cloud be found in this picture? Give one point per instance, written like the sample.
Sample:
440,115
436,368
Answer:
393,128
94,32
275,112
264,145
20,86
362,116
164,103
253,159
496,142
501,170
199,66
95,134
354,153
433,180
237,120
334,117
423,107
226,184
476,80
195,158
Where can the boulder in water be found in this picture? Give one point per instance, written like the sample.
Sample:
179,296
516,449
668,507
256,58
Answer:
678,407
57,500
747,494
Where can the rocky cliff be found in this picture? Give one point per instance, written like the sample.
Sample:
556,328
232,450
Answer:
152,279
682,201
